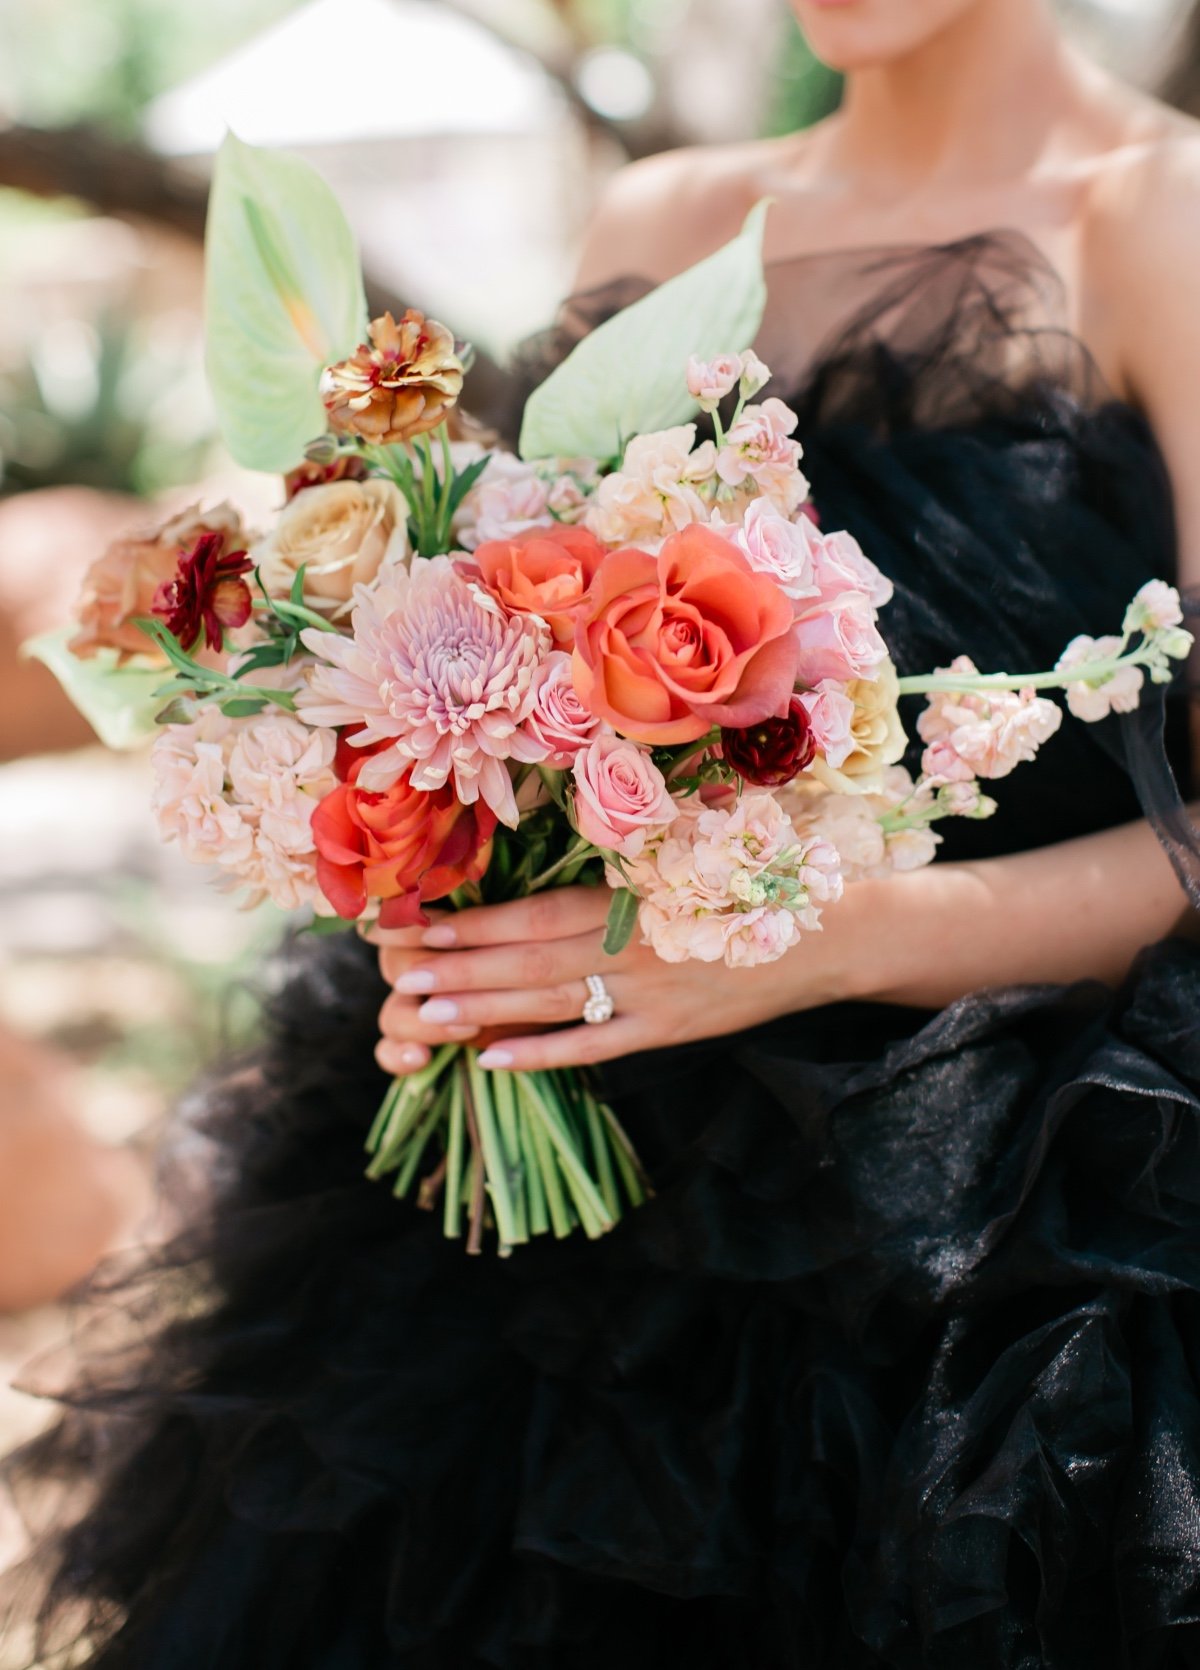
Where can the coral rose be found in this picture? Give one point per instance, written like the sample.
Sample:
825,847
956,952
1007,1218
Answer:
123,583
341,533
402,847
544,572
670,645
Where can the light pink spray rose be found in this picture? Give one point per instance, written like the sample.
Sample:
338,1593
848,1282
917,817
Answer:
839,641
783,549
841,565
621,797
558,720
982,734
657,490
831,717
436,670
1119,693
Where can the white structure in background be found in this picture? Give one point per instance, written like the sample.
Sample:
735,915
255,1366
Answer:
459,162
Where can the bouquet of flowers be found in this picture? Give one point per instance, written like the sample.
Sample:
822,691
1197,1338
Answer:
626,657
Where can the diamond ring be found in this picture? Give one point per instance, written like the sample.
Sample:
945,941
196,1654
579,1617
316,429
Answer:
599,1006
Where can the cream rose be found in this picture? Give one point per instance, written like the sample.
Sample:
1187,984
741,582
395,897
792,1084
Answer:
342,534
877,737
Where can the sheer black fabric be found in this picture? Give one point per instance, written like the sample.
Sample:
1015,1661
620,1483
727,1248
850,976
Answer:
899,1368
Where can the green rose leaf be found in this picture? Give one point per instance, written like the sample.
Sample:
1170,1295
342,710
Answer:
628,376
622,920
119,703
283,299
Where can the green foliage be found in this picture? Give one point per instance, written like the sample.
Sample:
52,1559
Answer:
121,704
803,89
628,377
284,298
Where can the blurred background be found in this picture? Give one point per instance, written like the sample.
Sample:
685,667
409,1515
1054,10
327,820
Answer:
468,168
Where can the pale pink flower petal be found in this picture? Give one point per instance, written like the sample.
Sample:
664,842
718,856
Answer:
1119,693
437,671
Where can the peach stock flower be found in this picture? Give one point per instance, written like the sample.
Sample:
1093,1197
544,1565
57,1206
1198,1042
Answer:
982,733
124,582
399,384
1119,693
669,646
657,490
544,572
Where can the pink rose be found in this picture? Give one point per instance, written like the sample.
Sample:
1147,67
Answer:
709,383
779,548
840,642
831,719
559,720
841,565
621,796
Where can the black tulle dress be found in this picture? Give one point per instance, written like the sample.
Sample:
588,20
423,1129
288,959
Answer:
901,1366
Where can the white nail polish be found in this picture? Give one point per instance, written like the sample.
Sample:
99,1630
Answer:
417,980
439,1011
496,1058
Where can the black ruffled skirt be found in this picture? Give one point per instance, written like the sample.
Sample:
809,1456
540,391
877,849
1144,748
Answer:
900,1368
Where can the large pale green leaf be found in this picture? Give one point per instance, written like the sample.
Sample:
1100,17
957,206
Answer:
117,702
283,298
629,375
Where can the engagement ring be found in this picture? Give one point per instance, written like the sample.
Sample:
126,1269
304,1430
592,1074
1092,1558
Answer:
599,1006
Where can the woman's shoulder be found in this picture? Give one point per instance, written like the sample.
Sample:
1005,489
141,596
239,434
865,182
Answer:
659,215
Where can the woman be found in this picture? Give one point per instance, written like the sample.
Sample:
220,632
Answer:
899,1368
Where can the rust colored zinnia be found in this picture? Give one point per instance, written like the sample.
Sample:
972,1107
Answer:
208,594
398,385
774,751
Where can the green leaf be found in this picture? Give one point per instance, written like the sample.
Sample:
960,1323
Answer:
629,376
465,480
119,703
284,298
622,919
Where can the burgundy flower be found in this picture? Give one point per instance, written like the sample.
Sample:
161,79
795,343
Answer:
207,594
347,466
774,751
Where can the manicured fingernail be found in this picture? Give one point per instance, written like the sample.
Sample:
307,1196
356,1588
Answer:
439,1011
416,980
440,937
412,1055
496,1058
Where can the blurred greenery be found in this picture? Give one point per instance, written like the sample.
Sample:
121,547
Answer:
104,60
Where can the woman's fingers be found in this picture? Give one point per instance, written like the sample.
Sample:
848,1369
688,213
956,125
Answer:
534,967
561,914
578,1046
547,1006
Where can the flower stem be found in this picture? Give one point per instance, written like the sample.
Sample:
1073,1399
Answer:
1088,672
578,849
495,1161
452,1206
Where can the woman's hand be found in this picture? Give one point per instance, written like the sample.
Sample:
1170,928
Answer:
500,975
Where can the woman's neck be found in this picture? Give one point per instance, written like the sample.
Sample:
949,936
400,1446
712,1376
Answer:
976,104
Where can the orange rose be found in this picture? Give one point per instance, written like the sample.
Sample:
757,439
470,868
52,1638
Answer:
124,582
669,646
544,571
403,846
